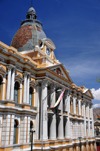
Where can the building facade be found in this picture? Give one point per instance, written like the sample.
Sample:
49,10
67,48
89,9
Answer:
31,81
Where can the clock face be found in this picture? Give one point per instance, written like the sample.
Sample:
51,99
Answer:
48,51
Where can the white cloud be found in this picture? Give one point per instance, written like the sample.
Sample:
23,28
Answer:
96,94
96,105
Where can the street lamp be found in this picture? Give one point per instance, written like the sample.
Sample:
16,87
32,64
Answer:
42,118
80,141
32,131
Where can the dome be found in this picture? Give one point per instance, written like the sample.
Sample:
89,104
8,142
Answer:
29,34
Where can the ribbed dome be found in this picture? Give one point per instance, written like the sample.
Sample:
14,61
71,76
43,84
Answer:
29,34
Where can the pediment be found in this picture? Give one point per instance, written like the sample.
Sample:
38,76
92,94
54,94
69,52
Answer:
60,70
18,76
2,69
88,93
49,43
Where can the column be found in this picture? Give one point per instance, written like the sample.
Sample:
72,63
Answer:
53,128
27,87
53,121
4,80
20,92
67,102
44,126
74,104
12,84
92,122
60,126
87,111
79,106
24,91
38,111
89,128
12,130
8,83
67,129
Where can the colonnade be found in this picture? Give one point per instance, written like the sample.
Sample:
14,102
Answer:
60,123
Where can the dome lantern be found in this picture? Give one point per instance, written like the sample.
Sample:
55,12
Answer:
31,14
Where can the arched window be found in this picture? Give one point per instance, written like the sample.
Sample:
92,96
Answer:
31,127
15,137
30,96
16,89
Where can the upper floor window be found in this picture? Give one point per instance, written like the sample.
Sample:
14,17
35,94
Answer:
16,90
30,96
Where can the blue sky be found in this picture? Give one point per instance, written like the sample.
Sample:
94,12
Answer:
74,27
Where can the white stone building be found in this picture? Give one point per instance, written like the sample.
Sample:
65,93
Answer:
30,77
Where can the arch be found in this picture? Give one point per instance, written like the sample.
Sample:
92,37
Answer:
16,91
15,136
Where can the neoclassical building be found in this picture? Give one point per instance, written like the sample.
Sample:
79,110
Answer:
37,93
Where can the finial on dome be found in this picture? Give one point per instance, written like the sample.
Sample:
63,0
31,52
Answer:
31,14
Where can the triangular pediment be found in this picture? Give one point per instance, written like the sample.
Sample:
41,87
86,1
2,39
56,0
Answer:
18,76
88,93
60,70
2,69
